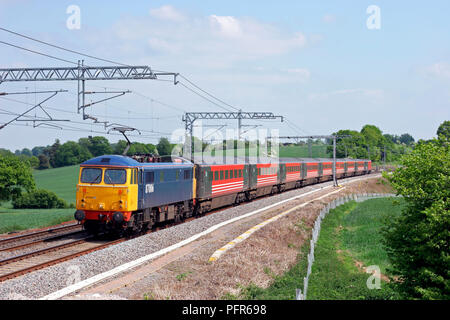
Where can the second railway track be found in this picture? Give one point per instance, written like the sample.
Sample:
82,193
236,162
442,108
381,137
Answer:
32,238
28,262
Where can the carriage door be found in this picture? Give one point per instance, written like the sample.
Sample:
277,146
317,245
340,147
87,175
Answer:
303,170
204,184
141,186
281,173
207,180
320,169
245,175
253,175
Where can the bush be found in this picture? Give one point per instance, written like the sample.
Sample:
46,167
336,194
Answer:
39,199
418,241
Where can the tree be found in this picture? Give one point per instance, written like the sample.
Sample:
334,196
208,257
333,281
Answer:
5,153
26,152
15,175
50,152
97,146
37,151
443,131
418,240
164,147
373,135
120,146
70,153
351,147
43,162
407,139
39,199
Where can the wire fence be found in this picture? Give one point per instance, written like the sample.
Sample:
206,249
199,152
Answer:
301,295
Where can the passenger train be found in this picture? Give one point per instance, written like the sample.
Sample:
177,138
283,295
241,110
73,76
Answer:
122,195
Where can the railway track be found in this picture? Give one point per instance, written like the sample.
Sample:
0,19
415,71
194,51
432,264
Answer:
39,259
34,238
28,262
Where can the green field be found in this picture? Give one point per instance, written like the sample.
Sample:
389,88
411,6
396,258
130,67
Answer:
61,181
349,234
23,219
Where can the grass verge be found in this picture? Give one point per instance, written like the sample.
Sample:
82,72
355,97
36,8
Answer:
23,219
349,234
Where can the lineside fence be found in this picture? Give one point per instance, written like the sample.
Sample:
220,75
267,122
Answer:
316,230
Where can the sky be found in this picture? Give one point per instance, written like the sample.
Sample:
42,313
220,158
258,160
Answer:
317,63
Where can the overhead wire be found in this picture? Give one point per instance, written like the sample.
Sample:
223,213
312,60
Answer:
62,48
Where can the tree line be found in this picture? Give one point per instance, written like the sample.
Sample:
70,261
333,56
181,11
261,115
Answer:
71,152
417,241
371,143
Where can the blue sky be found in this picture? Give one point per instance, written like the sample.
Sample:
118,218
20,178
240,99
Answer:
315,62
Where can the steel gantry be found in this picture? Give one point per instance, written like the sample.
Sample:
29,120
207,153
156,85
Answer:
190,117
82,73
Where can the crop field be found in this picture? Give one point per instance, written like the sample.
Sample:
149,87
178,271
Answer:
61,181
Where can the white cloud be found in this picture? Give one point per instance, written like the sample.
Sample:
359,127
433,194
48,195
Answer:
301,74
329,18
439,70
206,40
228,26
368,93
167,13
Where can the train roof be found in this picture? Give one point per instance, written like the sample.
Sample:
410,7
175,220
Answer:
209,160
124,161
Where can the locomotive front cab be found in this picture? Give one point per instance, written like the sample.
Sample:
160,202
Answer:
106,195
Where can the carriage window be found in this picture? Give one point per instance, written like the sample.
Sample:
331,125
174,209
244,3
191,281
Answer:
216,175
115,176
226,174
235,173
177,175
161,176
240,173
91,175
149,177
231,174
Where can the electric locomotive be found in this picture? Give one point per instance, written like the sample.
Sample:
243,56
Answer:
120,194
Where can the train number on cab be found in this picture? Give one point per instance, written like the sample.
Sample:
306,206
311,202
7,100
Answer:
149,188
